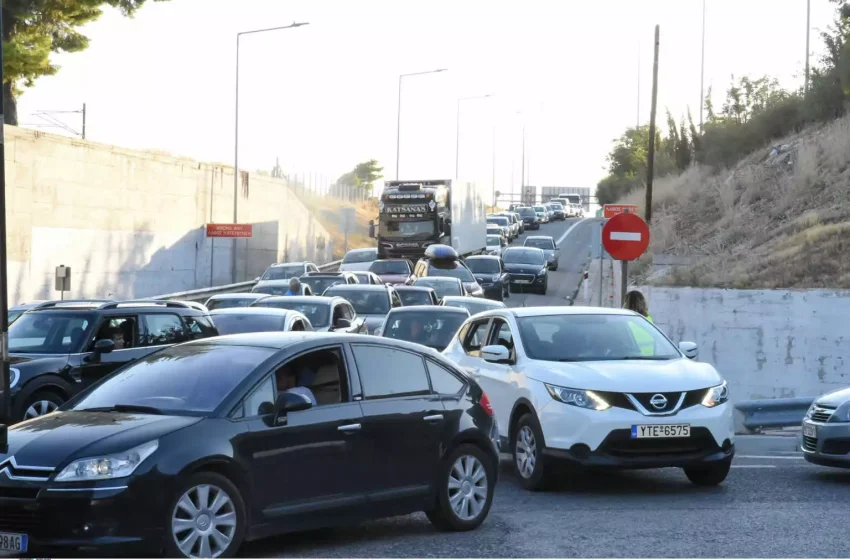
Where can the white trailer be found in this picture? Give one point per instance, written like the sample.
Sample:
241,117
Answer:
468,217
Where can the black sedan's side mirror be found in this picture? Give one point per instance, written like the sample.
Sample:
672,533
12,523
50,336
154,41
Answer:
342,324
288,401
102,346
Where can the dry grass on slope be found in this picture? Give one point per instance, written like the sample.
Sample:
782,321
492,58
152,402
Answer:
772,222
327,211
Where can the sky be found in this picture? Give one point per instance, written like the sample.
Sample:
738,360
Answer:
563,75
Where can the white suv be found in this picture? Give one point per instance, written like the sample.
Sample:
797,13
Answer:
594,387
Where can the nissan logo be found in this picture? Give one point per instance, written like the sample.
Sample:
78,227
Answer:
658,401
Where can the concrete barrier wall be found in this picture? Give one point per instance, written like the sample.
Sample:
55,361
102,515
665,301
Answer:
767,343
131,223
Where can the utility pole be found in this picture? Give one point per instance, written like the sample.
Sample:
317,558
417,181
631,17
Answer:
808,30
398,117
4,279
650,164
84,121
637,119
702,71
494,169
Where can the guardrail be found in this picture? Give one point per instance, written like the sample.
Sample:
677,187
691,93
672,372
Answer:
201,295
773,413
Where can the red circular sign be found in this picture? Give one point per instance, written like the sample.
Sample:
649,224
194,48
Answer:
625,237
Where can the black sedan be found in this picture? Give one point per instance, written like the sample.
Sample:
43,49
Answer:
527,268
194,449
417,295
428,325
491,275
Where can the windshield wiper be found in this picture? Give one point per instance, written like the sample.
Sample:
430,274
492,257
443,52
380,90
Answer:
643,358
123,408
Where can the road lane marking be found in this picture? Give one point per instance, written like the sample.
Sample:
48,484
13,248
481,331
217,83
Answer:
766,457
753,466
625,236
572,227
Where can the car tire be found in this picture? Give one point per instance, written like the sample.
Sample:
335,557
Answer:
41,402
231,516
531,466
469,466
709,475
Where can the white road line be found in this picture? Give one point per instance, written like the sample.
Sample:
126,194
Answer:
625,236
753,466
572,227
767,457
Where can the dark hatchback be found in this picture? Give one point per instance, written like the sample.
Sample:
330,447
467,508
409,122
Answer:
192,450
529,217
527,268
490,273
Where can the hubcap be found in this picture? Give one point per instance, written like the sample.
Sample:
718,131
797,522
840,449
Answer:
526,452
40,408
203,523
467,488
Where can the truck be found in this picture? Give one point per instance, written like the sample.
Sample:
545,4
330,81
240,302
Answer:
413,215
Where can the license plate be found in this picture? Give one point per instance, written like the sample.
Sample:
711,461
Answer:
661,431
810,430
12,542
523,281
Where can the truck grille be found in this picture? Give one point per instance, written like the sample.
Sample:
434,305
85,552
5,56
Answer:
822,413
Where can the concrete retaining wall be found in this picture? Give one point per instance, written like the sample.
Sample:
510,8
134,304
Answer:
131,224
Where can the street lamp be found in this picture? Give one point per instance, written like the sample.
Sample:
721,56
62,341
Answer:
457,128
398,119
236,133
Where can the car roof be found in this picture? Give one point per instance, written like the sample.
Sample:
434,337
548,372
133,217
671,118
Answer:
523,248
117,306
429,309
470,300
325,274
299,263
539,237
252,311
392,260
482,258
240,295
438,278
276,281
413,288
561,310
303,299
365,250
360,287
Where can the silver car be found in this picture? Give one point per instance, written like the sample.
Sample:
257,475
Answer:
547,244
372,303
826,430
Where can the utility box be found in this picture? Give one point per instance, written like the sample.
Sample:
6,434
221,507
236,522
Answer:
63,278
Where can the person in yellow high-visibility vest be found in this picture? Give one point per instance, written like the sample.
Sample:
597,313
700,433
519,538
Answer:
637,303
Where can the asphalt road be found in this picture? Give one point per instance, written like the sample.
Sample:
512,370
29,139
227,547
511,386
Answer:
773,504
574,239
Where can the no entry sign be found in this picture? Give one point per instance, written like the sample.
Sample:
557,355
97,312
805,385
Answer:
625,237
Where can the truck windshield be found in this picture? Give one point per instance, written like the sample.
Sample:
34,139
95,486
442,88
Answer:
408,229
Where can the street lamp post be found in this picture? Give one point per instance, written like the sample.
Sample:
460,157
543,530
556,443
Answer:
6,418
457,129
236,132
398,118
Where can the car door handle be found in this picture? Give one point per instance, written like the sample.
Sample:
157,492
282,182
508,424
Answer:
349,428
434,418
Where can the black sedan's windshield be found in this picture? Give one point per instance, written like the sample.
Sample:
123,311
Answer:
188,378
365,302
283,272
48,332
540,243
523,256
583,338
443,286
233,323
483,266
390,267
429,329
320,284
317,313
415,297
526,211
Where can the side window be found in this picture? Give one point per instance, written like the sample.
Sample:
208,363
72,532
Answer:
347,311
200,327
396,301
475,337
163,328
124,331
389,372
501,334
320,375
262,394
443,382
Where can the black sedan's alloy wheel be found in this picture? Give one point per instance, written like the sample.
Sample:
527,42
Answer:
465,489
206,519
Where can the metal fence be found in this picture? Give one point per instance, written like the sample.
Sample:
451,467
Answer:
773,413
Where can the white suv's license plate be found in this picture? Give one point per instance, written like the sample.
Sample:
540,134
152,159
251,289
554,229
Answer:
661,431
810,430
13,542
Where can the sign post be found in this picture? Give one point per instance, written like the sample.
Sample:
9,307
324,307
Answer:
626,238
611,210
63,280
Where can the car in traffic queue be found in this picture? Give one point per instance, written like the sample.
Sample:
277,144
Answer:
825,438
542,214
366,277
326,314
442,285
559,212
223,301
285,271
586,388
241,320
495,244
473,305
166,459
279,288
417,295
393,271
321,281
527,268
60,349
496,230
519,219
428,325
491,275
504,223
529,217
372,303
546,243
513,221
443,260
358,259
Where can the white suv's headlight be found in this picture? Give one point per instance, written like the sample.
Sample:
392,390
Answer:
117,465
577,397
14,377
716,395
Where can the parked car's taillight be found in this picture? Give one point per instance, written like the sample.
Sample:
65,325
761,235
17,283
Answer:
485,404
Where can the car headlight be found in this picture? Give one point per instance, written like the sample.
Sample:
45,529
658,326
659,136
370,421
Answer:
716,395
105,467
810,411
14,377
495,278
577,397
542,272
